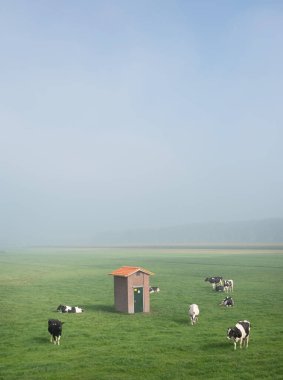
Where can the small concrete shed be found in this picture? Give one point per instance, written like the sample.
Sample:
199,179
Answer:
131,289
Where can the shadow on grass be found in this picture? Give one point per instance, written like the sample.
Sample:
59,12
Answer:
104,308
41,339
218,346
182,321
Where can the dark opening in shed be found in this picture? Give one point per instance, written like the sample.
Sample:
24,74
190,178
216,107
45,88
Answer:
131,289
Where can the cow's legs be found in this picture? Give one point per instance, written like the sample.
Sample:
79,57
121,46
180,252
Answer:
247,341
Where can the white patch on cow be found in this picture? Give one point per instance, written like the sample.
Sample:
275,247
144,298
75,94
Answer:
78,309
241,328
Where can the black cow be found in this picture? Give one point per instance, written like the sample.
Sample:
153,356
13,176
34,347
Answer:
214,280
55,330
240,333
219,288
228,301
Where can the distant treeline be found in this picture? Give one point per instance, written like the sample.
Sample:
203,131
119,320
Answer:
249,232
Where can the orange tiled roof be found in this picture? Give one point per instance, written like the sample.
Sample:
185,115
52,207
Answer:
128,271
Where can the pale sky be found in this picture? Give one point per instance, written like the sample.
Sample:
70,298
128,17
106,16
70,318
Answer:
134,114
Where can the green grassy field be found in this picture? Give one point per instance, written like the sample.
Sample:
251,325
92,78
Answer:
103,344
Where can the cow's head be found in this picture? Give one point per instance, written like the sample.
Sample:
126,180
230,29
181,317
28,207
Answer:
233,333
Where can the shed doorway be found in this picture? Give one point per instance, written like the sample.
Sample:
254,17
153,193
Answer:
138,300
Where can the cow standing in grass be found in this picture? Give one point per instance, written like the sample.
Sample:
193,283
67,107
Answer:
228,285
217,280
55,330
240,333
193,313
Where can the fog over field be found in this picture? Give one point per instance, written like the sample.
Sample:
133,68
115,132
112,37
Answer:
263,231
119,117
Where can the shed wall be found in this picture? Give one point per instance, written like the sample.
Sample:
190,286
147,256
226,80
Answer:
121,294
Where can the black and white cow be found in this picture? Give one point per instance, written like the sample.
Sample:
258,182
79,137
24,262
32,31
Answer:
219,288
217,280
228,285
240,333
154,289
69,309
55,330
228,302
193,313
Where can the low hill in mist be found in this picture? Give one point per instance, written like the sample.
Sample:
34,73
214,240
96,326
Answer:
262,231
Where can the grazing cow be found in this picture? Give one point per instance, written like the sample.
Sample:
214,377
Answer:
219,288
240,333
154,289
228,301
55,330
217,280
228,285
193,313
69,309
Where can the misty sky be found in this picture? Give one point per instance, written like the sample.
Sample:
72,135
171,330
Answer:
132,114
